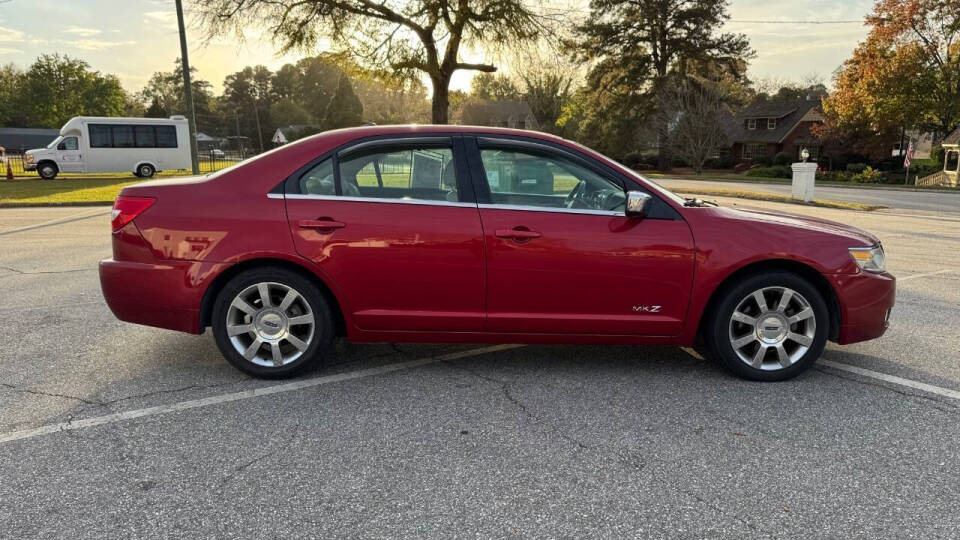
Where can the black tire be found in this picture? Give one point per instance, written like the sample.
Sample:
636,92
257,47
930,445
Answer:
47,170
719,327
317,346
145,170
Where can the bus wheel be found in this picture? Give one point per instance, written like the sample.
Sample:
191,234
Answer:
47,170
145,170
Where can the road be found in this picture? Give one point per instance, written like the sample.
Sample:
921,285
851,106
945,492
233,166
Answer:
109,429
936,201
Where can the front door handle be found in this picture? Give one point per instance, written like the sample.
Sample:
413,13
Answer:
321,224
519,234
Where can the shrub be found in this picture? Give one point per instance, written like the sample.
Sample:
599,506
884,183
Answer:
937,155
777,171
856,168
631,159
868,176
763,161
783,158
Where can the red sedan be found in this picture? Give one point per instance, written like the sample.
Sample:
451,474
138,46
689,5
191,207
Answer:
468,234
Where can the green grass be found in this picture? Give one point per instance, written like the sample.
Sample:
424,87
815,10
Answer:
62,191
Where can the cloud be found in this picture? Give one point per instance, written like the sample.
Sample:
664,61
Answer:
165,19
82,32
7,50
9,35
98,44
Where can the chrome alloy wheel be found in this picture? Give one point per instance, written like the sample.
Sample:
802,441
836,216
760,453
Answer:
270,324
772,328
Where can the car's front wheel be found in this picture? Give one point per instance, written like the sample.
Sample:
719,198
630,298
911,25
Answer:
47,170
769,327
272,323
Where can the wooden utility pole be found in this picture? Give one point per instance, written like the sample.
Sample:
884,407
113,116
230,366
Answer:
187,89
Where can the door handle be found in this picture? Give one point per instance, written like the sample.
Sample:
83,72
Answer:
517,234
321,224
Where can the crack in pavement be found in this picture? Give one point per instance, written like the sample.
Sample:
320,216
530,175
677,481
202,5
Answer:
49,394
627,460
294,431
39,272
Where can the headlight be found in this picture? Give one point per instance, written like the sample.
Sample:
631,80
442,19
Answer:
29,158
870,259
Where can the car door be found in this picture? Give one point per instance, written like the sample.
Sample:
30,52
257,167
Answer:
69,158
562,257
388,222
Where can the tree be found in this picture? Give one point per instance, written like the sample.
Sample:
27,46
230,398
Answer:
164,93
344,109
637,44
56,88
414,35
250,90
693,108
905,74
493,86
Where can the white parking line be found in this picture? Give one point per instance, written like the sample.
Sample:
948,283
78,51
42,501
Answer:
68,219
916,385
246,394
928,274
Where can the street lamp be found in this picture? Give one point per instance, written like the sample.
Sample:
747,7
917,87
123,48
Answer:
804,155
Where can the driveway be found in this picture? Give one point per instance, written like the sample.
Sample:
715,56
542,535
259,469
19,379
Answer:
936,201
109,429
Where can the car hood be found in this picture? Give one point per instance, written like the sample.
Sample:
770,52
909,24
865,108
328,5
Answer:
801,222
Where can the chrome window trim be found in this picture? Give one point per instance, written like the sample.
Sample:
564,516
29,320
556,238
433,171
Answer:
424,202
525,208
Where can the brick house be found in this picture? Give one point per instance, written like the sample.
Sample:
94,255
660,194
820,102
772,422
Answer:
765,128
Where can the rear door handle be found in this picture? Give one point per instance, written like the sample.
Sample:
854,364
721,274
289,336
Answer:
321,224
516,234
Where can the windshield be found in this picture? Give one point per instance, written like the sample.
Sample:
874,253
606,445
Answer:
53,144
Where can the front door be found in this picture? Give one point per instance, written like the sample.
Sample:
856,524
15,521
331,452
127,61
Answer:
563,258
388,224
69,158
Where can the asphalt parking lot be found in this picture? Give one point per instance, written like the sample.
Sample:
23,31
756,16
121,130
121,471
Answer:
109,429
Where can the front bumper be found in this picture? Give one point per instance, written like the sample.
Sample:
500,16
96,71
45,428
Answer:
29,166
866,300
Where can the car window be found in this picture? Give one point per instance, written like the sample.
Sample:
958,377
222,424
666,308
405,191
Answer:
521,178
400,173
319,179
68,143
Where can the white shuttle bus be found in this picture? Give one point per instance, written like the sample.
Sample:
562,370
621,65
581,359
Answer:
93,144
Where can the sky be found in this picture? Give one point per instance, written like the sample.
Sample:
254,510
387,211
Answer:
132,39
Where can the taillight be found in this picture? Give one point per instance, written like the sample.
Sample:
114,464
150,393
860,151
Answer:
127,208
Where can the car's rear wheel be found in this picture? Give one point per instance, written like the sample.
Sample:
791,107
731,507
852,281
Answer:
769,327
272,323
145,170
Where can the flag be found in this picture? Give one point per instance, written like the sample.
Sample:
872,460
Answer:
909,157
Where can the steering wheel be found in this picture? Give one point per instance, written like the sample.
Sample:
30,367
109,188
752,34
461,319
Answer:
574,195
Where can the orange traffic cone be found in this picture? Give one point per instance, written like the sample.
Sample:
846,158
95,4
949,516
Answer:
9,171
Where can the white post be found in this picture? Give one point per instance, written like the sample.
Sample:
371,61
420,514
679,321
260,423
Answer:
804,175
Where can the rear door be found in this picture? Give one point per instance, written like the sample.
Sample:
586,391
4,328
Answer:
388,221
561,255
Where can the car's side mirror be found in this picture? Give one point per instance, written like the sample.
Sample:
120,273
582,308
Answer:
637,202
61,146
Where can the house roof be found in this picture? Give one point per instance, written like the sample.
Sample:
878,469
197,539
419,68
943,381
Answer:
14,139
485,111
788,114
953,138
